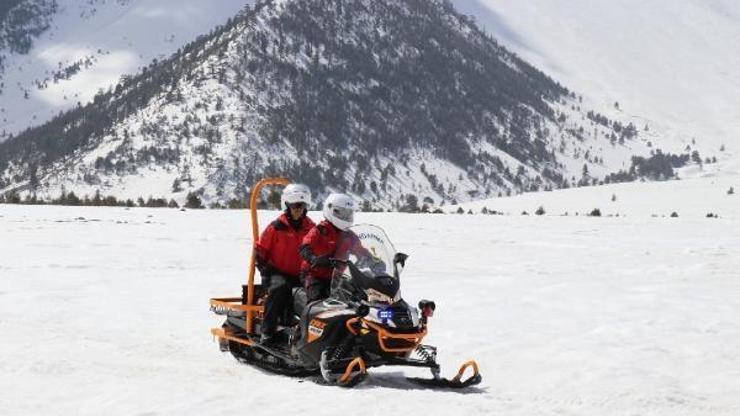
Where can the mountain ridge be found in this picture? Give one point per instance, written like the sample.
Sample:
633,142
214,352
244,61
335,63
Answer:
421,105
57,53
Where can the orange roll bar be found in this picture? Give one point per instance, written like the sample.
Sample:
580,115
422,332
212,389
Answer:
256,190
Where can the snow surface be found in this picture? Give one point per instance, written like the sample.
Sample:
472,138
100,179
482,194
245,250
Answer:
105,310
704,191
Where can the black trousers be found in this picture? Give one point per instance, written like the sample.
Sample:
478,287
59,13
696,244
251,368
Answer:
279,297
317,289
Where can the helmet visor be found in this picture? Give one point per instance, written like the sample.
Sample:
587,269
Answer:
344,214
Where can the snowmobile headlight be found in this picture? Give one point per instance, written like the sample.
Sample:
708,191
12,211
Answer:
385,314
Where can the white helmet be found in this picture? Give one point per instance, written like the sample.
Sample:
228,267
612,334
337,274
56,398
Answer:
339,209
295,193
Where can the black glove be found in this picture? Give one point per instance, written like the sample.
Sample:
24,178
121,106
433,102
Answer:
314,260
321,261
263,267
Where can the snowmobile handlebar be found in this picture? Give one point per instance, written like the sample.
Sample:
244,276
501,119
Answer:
398,258
338,262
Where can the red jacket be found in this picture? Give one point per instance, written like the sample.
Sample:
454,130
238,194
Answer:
326,239
278,245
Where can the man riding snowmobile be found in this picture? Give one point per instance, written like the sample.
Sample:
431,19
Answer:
277,257
329,239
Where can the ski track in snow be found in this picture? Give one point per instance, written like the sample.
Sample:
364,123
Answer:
106,310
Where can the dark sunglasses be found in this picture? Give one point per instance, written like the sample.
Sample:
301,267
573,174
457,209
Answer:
297,205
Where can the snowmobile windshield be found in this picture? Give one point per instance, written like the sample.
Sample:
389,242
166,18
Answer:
372,270
375,257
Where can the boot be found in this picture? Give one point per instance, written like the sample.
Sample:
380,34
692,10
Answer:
267,338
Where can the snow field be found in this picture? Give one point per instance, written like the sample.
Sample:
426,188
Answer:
703,191
106,310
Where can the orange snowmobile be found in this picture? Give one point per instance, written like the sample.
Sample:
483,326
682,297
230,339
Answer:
364,323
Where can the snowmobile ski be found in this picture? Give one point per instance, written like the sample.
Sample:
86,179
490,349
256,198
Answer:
353,374
456,382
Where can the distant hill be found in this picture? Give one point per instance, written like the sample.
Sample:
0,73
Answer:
668,66
57,53
400,103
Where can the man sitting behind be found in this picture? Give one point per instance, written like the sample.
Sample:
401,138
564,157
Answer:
277,255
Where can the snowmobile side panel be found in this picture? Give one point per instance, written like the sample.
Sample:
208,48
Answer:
323,333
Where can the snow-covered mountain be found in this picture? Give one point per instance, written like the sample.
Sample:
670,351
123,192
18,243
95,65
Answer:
399,102
671,65
55,54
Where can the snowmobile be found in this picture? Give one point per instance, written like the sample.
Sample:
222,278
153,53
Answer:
364,323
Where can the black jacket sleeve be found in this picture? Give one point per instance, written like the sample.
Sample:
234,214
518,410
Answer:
313,259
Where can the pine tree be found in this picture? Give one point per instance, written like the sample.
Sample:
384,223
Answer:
366,207
33,181
696,157
273,198
193,201
412,203
72,199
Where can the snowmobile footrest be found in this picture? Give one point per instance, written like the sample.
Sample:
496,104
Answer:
220,333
